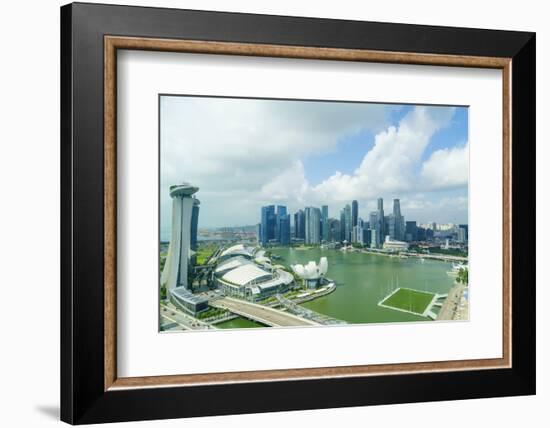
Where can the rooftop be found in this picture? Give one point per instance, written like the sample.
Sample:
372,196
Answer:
246,274
184,294
183,189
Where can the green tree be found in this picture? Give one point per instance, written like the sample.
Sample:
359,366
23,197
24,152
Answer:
463,276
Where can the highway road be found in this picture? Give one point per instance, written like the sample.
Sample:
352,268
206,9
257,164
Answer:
170,314
263,314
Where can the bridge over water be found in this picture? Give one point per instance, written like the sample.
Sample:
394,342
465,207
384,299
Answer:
263,314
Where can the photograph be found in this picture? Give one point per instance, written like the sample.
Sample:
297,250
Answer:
282,210
303,213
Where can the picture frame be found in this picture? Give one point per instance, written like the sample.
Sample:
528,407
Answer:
91,35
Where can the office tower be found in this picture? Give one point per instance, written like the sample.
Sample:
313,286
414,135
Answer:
324,223
357,235
279,213
411,234
342,224
464,228
268,224
354,213
399,221
392,227
429,234
374,238
366,236
283,227
175,273
259,233
380,227
374,224
420,234
347,223
299,224
313,222
334,230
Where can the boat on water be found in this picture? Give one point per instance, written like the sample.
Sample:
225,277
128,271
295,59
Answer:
456,269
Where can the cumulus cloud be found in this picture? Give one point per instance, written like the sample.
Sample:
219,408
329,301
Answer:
390,166
234,148
247,153
447,168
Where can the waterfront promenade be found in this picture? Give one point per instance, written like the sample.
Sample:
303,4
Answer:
451,306
433,256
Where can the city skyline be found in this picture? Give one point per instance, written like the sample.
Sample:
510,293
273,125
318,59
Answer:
313,154
314,225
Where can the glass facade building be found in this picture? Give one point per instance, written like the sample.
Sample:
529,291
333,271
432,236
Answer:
313,225
267,224
324,223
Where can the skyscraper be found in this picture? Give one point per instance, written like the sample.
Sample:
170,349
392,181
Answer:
283,227
373,238
354,213
268,224
300,225
357,234
324,223
175,273
399,221
280,213
313,223
411,231
347,225
380,227
342,224
392,227
374,225
366,236
334,226
464,227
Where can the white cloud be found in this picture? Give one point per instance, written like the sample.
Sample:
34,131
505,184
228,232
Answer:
390,167
447,168
244,154
236,147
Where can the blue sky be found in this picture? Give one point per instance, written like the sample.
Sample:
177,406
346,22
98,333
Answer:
245,153
349,152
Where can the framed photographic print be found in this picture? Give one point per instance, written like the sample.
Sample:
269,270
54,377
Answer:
265,213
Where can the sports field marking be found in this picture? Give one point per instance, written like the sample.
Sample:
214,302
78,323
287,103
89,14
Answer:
410,301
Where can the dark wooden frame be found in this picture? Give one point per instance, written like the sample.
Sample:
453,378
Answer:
90,35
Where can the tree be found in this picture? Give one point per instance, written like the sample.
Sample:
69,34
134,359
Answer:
463,276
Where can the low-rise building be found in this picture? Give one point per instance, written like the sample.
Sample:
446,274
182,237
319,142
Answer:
393,245
188,302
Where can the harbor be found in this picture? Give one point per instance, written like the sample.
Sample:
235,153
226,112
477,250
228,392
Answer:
363,280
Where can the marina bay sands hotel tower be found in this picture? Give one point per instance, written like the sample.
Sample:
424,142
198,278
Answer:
184,218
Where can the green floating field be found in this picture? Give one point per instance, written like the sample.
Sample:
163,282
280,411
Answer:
408,300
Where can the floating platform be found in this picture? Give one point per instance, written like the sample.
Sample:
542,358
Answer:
411,301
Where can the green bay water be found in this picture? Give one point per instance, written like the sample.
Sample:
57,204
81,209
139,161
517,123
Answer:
239,322
364,279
